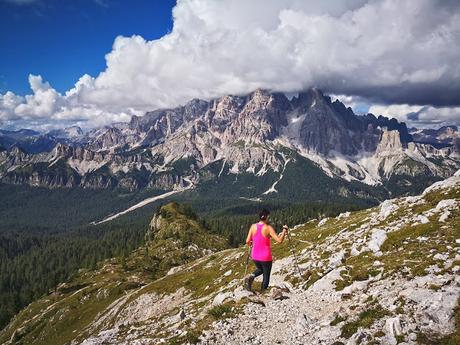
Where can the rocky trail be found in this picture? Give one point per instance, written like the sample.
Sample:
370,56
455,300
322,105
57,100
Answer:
316,316
293,318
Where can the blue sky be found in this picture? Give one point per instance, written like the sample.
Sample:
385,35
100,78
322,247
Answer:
62,40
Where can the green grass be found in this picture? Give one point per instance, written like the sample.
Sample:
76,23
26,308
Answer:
50,328
365,320
338,319
221,311
415,254
400,308
358,268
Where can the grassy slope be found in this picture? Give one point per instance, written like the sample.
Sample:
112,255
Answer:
59,316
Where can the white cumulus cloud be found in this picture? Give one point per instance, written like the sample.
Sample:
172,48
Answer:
387,52
46,108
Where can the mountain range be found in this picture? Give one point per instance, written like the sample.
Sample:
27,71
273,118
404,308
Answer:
257,146
444,136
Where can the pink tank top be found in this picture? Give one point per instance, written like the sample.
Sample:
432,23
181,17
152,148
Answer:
261,250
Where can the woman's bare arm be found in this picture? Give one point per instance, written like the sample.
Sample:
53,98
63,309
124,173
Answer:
249,238
275,236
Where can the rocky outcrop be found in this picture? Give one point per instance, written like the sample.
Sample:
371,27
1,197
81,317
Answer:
109,138
324,129
389,144
47,179
166,181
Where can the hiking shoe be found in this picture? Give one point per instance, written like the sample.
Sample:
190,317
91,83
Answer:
248,282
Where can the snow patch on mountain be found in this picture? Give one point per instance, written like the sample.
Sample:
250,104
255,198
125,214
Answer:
143,203
292,131
272,189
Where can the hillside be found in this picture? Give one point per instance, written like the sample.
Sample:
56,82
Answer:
175,236
386,275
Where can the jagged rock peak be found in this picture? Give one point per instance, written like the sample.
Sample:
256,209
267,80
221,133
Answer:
62,150
309,98
259,95
227,103
390,142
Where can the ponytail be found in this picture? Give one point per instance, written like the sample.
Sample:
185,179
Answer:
264,214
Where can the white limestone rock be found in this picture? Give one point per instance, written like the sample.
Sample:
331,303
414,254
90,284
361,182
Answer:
386,208
392,330
222,297
343,215
336,259
322,222
378,237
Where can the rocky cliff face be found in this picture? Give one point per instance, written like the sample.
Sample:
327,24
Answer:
324,129
384,275
242,134
310,119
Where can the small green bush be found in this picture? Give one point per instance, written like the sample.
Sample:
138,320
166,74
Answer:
220,311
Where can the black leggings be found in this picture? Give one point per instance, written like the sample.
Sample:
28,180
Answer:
263,267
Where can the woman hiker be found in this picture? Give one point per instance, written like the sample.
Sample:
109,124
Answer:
259,235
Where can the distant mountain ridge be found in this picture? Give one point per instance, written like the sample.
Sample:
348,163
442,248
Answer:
259,134
442,137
